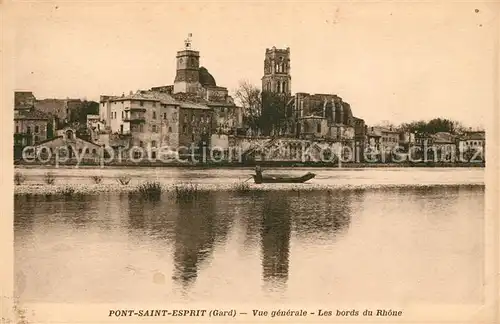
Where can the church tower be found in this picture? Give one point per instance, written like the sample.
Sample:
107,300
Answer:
187,78
277,71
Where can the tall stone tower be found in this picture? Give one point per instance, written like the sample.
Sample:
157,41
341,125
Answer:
187,78
277,76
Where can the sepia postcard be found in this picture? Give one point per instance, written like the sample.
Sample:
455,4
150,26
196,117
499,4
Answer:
225,161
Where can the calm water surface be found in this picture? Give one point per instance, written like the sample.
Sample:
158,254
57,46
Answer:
343,245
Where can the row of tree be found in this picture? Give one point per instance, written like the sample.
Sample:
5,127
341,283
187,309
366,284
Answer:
432,126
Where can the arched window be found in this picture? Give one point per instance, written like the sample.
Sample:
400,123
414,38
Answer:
278,87
283,88
153,143
69,134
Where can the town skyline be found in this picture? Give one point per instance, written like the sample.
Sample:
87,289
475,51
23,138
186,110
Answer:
408,75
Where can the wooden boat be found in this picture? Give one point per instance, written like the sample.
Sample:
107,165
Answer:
283,178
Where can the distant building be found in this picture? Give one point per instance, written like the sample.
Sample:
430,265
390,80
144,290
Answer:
64,110
444,145
472,144
30,125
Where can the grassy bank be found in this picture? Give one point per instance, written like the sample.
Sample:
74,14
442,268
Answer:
189,191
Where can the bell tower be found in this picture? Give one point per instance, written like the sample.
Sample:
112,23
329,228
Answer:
187,78
277,76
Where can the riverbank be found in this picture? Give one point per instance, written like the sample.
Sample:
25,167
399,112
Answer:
267,164
239,187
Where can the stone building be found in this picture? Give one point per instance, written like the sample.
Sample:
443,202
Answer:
64,110
68,147
184,114
30,125
309,116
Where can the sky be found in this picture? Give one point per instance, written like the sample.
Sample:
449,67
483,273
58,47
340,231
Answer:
391,61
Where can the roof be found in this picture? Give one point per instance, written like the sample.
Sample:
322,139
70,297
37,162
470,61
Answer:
193,105
31,115
184,100
475,136
206,79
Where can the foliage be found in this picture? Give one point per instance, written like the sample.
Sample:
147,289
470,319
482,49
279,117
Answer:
19,178
242,187
273,111
97,179
433,126
263,111
186,192
249,97
150,190
49,178
124,180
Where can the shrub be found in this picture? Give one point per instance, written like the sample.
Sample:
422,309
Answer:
19,178
124,180
150,190
67,192
97,179
242,187
186,192
49,178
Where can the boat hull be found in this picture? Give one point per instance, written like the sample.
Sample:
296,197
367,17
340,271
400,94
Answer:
278,179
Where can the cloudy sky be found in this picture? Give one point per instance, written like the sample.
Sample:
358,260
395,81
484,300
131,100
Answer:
390,61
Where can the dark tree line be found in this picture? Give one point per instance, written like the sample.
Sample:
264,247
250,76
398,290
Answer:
433,126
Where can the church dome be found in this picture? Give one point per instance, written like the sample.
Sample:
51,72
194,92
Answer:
206,79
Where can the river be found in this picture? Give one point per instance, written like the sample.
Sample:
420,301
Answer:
419,244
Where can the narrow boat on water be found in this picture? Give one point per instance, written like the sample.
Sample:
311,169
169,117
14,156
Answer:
282,178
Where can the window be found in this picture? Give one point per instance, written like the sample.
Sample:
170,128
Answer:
141,103
37,139
154,103
80,151
184,129
141,128
154,114
94,151
153,143
153,155
169,129
141,143
164,115
17,129
123,115
154,129
28,130
318,128
37,129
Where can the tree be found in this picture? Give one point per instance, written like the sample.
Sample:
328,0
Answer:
433,126
249,97
273,111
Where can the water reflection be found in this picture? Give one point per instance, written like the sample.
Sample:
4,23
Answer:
275,233
225,240
326,214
